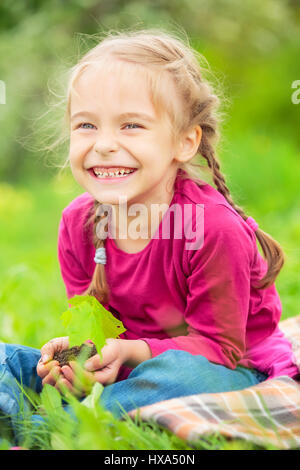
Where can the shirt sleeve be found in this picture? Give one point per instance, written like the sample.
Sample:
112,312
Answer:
75,278
218,292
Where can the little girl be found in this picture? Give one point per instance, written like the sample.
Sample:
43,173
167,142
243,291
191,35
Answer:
200,316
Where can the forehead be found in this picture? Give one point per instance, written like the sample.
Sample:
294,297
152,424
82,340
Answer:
112,87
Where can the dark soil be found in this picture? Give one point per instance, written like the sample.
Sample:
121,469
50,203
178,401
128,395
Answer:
64,357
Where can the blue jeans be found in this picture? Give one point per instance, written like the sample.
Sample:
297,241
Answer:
172,374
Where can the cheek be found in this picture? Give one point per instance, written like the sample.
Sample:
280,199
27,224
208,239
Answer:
78,147
148,149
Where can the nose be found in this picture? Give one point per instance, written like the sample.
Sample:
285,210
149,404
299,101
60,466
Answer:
106,143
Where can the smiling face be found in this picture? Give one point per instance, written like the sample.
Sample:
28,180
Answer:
118,126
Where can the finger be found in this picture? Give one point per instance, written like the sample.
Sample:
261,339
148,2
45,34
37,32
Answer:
49,380
107,375
64,386
55,344
82,380
79,371
52,377
68,373
94,363
69,376
109,353
44,369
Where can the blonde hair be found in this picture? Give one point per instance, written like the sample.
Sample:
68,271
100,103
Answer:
161,56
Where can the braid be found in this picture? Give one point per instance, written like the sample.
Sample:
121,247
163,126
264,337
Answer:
271,248
207,152
98,286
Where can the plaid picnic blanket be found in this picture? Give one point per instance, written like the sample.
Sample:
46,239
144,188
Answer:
267,414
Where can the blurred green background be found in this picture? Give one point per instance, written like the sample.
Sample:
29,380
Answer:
253,50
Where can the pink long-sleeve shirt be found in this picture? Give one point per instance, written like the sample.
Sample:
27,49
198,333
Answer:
175,294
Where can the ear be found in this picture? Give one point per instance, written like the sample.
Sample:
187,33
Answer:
189,144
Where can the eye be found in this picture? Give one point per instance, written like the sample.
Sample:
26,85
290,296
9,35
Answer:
132,124
85,124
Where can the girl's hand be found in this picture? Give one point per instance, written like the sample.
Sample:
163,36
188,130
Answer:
104,371
47,369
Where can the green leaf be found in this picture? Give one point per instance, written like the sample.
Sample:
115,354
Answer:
51,398
93,398
88,319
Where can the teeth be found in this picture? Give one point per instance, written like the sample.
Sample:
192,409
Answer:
117,173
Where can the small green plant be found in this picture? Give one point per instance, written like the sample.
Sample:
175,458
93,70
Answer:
87,319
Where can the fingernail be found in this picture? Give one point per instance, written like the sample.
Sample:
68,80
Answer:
45,358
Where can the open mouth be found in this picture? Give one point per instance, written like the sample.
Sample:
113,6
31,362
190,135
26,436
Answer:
111,173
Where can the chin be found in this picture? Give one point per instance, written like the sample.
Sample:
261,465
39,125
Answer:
106,199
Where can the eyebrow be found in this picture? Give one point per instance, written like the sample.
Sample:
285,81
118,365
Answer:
143,116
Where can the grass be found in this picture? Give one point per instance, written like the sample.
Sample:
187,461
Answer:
94,428
262,175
